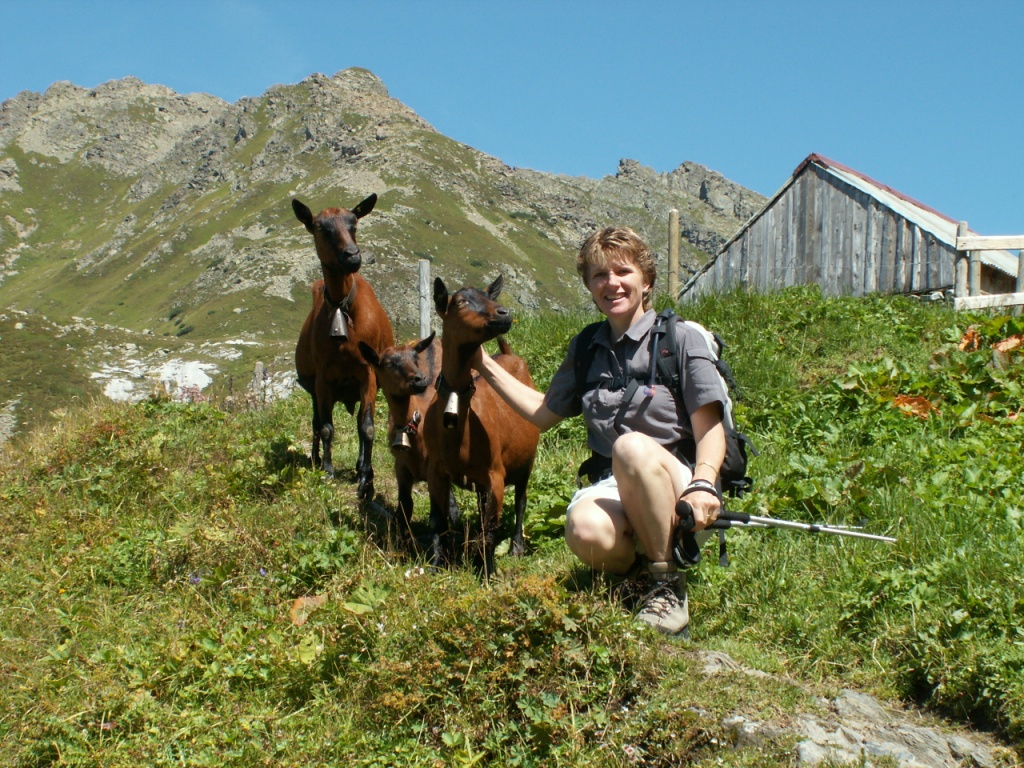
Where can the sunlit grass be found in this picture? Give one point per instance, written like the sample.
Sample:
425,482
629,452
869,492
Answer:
153,552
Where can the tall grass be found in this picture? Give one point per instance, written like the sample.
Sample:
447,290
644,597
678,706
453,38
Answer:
153,555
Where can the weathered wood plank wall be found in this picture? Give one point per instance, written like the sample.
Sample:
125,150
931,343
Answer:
824,231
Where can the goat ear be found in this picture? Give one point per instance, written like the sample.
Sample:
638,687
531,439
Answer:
423,344
440,296
366,206
369,353
302,213
495,288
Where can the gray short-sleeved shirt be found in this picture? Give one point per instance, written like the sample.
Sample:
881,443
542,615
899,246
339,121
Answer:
656,414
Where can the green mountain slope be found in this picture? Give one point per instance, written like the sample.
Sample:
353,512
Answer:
168,216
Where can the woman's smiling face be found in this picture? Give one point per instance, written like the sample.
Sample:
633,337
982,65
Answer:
618,289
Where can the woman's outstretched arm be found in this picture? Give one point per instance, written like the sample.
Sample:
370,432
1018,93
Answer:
525,400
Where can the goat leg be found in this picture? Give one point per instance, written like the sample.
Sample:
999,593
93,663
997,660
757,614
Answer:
440,532
489,503
518,548
364,464
327,439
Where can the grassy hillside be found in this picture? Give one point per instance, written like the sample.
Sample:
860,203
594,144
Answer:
154,553
164,222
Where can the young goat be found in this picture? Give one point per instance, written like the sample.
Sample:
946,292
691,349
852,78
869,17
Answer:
345,311
474,439
406,375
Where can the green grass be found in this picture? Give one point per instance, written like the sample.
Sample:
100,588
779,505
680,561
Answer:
152,554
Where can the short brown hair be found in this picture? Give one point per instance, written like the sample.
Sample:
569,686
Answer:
619,243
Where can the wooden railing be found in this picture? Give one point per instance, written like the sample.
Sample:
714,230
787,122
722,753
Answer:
967,287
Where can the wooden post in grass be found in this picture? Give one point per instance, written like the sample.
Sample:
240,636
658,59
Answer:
1020,271
973,268
673,254
425,313
960,268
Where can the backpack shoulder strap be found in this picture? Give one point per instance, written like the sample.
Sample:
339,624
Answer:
585,355
665,349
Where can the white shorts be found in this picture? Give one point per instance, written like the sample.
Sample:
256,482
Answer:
609,489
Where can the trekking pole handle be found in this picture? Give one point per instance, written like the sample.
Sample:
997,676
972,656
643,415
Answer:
725,517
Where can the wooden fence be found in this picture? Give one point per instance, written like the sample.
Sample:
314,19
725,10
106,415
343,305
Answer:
967,288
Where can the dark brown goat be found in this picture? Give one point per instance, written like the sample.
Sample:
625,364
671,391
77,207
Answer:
406,375
345,311
473,437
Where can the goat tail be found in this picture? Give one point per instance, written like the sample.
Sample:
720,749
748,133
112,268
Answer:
503,346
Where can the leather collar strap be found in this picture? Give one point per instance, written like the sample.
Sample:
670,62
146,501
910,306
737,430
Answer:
443,389
345,304
413,426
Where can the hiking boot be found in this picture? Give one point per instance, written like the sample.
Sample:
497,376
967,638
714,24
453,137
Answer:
627,589
665,607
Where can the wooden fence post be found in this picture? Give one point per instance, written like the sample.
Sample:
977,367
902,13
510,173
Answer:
1020,271
673,254
974,274
960,267
425,313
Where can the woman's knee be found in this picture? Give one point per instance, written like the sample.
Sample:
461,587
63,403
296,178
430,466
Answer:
589,528
596,540
632,451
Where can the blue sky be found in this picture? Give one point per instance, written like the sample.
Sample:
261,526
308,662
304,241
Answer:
925,96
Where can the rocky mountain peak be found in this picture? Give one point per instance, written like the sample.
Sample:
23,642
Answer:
359,80
171,213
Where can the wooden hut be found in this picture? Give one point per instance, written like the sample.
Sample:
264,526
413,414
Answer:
832,226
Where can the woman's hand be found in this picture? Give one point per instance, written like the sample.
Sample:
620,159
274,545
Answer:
705,506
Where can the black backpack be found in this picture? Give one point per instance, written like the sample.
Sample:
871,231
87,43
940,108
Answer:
733,477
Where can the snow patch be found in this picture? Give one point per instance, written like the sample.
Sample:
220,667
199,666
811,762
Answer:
134,380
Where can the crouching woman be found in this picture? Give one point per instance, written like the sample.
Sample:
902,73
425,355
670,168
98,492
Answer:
623,522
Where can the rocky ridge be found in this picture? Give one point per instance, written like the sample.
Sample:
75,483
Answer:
143,209
174,148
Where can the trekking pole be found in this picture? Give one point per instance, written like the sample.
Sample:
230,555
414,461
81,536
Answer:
727,519
686,551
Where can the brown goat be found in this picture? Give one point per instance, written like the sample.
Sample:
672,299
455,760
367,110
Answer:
473,437
406,375
345,311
